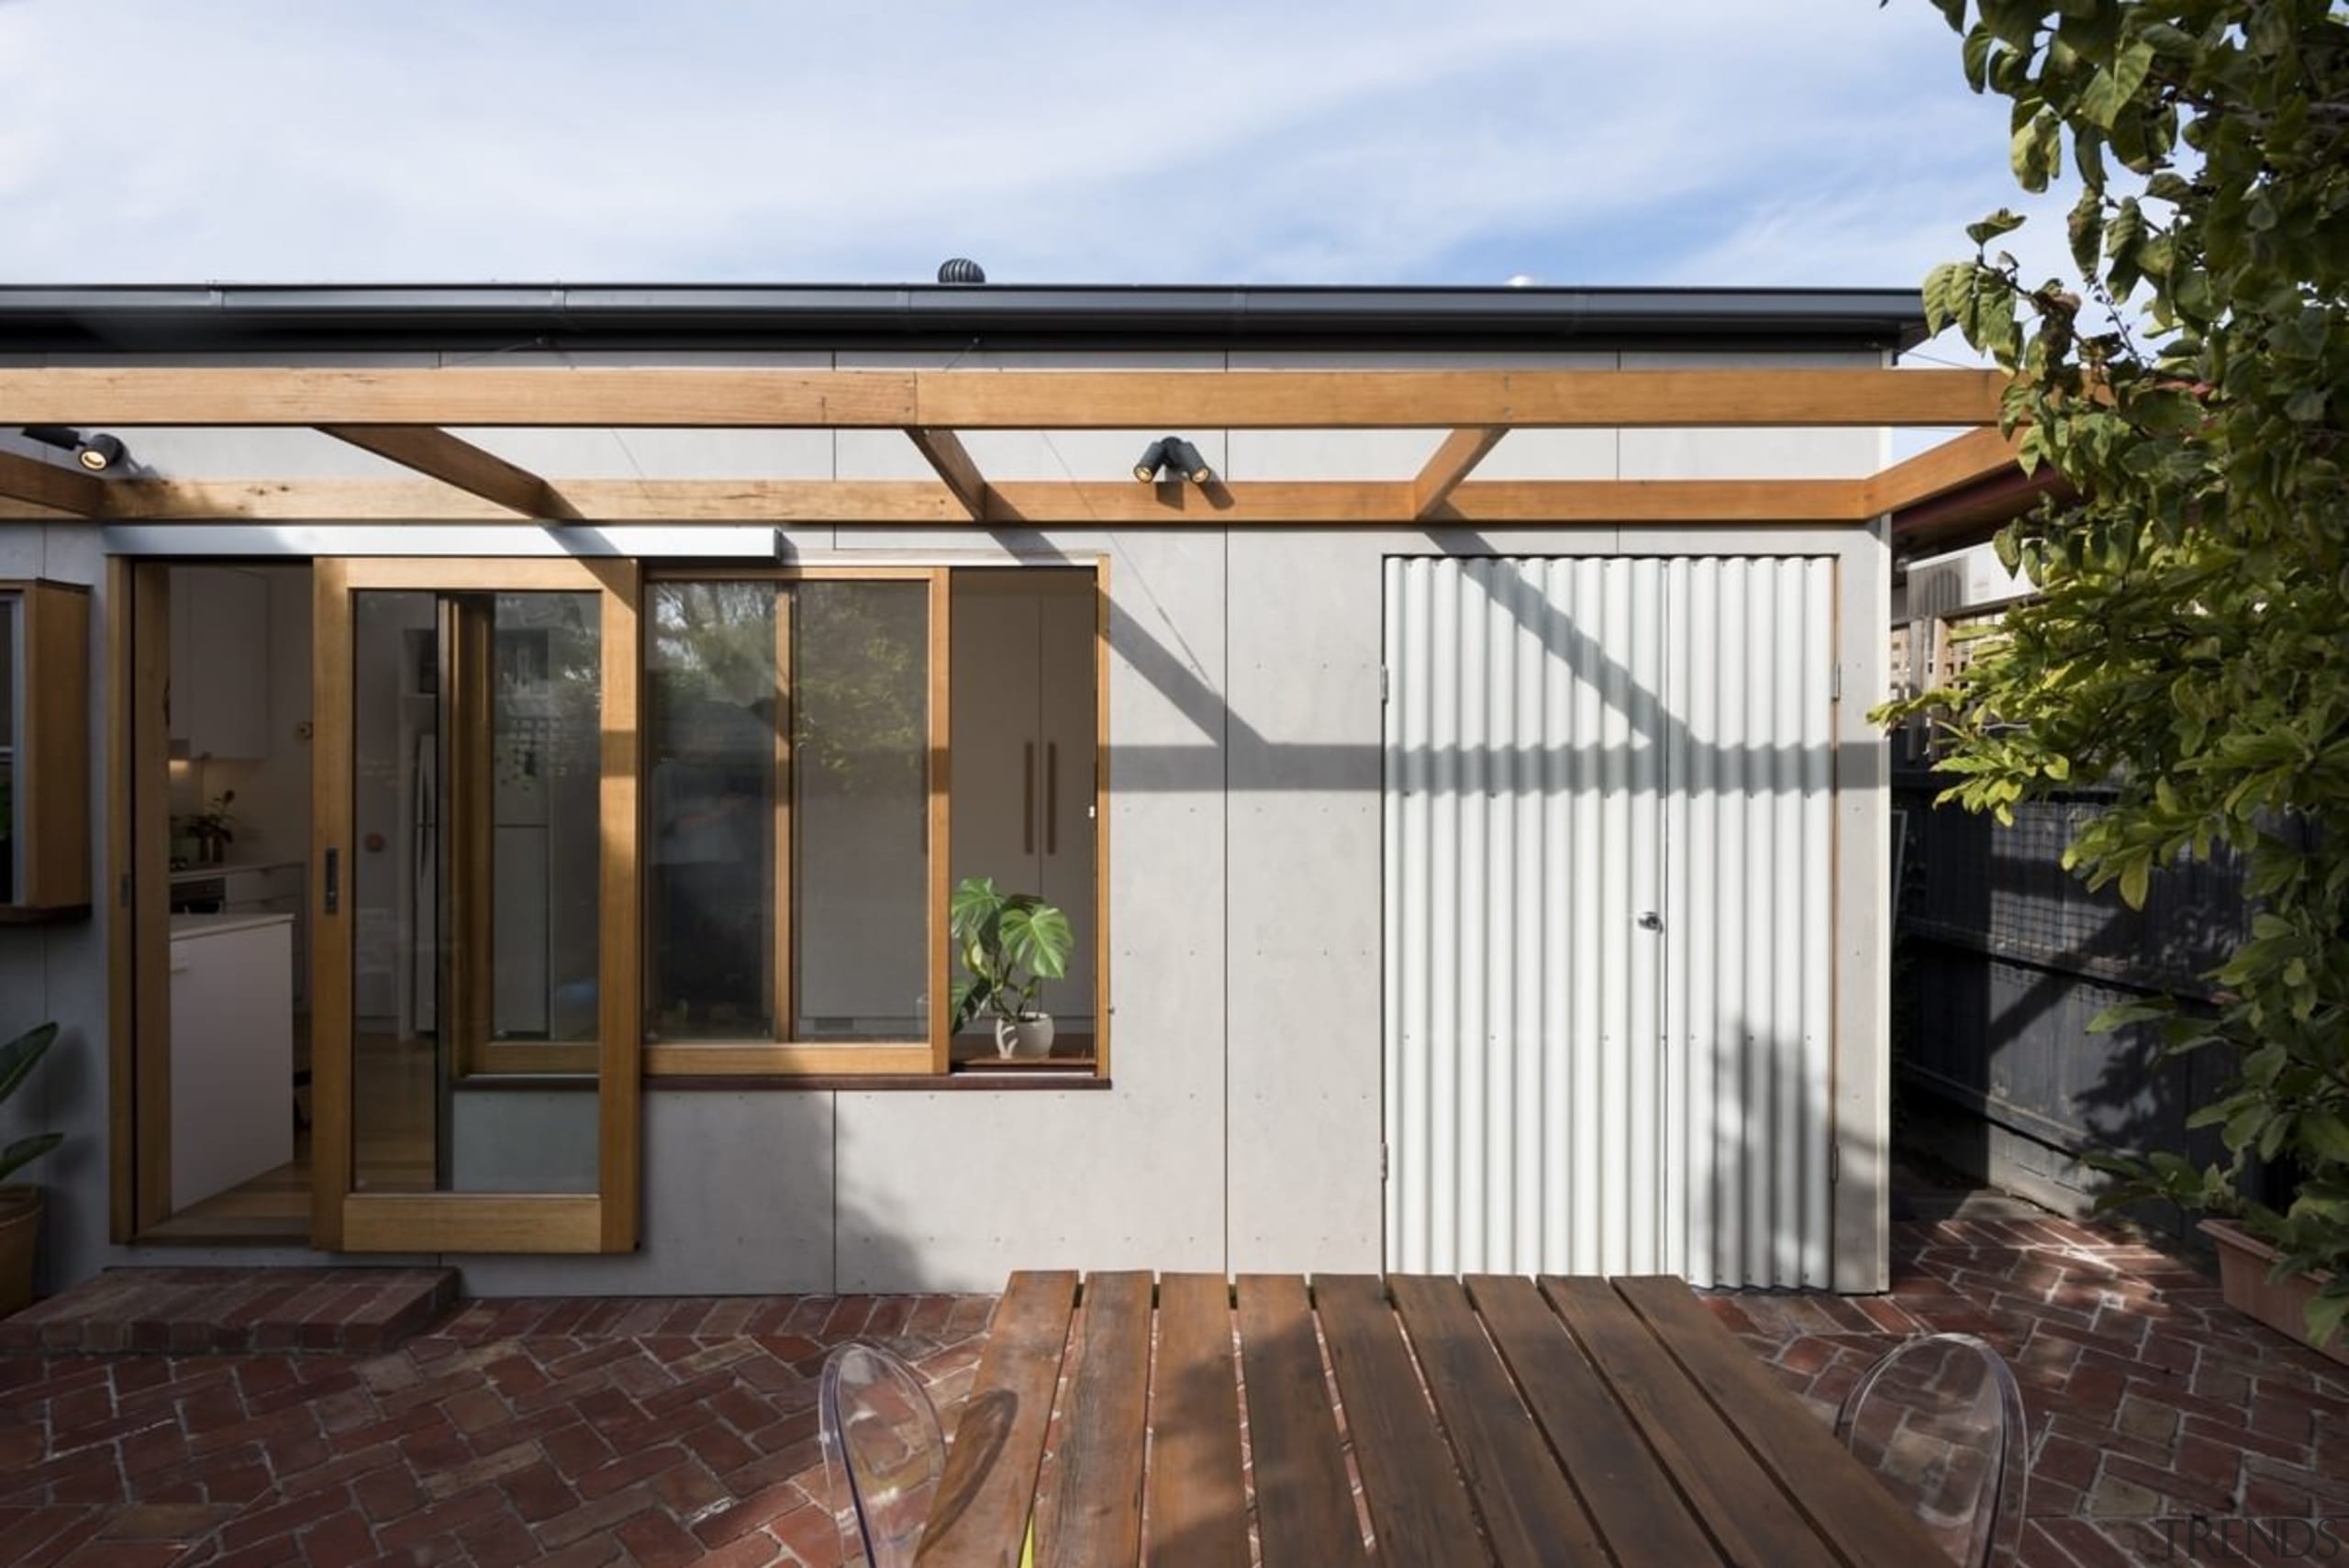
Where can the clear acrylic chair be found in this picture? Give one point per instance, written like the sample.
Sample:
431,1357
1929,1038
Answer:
883,1452
1939,1422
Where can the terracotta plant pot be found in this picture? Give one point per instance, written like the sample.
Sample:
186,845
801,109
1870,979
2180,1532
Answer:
19,1229
2244,1262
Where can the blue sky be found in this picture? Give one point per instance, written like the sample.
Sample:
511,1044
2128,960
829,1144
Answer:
1678,142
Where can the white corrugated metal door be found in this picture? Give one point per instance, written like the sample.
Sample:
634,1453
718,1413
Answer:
1607,960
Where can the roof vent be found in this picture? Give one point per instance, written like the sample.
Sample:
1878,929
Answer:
961,270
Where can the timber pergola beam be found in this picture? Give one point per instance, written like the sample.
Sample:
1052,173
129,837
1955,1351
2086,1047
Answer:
1114,504
944,452
1955,465
967,400
50,488
1453,461
457,462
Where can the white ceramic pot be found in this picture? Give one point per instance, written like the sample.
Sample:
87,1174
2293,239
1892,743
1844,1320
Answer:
1027,1039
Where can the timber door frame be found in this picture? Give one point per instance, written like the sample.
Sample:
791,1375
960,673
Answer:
606,1220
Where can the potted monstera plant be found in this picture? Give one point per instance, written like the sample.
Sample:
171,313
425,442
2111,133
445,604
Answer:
1010,944
20,1204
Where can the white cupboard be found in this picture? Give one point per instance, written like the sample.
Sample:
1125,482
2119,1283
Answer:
232,1050
219,687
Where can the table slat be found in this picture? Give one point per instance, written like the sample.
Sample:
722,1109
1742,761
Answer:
1644,1522
1198,1509
1305,1508
1419,1512
1742,1507
1851,1507
1094,1516
1531,1515
980,1518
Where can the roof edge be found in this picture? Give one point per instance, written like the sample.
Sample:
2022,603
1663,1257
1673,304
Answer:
134,318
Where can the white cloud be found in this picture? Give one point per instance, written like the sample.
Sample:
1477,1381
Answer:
1712,141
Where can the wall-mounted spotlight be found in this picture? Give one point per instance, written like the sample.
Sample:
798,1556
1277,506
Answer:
1175,453
97,453
1153,458
101,452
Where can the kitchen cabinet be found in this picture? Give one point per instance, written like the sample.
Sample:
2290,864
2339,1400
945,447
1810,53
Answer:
1024,673
232,1050
219,691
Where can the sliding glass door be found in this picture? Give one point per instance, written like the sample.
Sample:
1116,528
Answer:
474,899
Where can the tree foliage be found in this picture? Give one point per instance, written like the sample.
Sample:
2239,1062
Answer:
2189,644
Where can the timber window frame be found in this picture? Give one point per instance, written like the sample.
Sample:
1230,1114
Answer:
926,1059
44,749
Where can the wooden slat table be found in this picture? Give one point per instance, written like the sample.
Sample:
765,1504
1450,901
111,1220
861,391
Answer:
1489,1421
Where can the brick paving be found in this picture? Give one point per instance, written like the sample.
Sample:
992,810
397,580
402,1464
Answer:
654,1432
673,1431
2148,1399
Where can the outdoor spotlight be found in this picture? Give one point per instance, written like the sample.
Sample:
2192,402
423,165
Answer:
100,452
97,453
1153,458
1185,459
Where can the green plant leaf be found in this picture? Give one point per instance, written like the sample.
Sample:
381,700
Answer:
18,1057
24,1151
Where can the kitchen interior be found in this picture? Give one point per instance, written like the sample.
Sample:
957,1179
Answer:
238,710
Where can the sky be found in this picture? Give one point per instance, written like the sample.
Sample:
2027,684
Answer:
1671,142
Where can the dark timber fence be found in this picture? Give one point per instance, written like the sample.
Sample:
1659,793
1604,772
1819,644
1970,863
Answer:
2002,957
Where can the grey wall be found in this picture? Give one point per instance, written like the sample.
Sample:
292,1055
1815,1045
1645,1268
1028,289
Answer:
1242,1127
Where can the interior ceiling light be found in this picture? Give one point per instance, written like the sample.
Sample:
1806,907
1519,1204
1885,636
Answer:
1175,453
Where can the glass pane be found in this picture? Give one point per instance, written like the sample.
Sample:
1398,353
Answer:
546,745
10,843
713,762
860,760
475,889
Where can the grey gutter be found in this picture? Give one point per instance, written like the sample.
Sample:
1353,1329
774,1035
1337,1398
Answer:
166,319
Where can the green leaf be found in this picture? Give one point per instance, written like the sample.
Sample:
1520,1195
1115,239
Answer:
2003,221
25,1150
1038,937
18,1057
2324,1318
2326,1134
2084,229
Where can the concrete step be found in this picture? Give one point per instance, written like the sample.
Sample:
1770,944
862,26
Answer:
200,1311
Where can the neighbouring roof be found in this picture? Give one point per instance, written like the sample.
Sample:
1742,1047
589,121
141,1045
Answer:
206,318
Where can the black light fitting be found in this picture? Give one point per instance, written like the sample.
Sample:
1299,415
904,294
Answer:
1173,452
97,453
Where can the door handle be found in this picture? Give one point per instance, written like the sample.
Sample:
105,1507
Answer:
1651,921
1051,797
331,882
1028,798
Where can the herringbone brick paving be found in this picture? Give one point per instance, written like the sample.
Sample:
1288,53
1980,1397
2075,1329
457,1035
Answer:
2151,1404
667,1432
571,1432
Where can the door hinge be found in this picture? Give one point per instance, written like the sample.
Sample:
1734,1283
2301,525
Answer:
1381,1162
1835,682
122,890
1834,1163
1381,686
